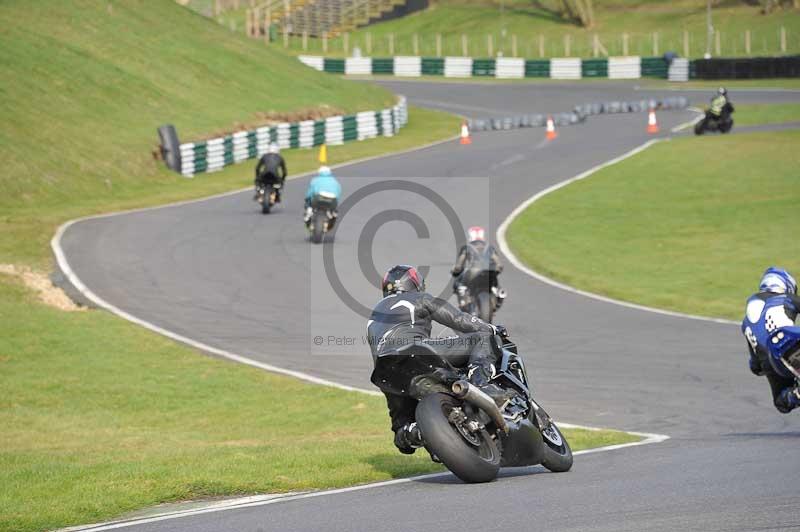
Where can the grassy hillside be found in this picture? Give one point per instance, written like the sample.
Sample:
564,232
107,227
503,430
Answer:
87,82
528,20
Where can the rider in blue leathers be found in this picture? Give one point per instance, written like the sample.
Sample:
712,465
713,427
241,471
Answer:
323,183
775,305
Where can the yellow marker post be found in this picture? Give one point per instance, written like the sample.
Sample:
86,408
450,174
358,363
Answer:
323,154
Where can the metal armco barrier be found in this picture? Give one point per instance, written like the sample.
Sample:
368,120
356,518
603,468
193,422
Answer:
215,154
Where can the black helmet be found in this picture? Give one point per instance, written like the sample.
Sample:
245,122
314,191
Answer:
402,278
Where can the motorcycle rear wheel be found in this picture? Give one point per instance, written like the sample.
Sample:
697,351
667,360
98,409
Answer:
484,305
318,229
468,461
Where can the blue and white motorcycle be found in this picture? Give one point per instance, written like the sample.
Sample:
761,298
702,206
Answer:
784,351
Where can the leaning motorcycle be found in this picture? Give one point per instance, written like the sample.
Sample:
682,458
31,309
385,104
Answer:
710,123
267,196
461,425
480,297
784,350
321,216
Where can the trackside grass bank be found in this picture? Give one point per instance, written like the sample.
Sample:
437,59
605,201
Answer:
768,113
687,225
101,417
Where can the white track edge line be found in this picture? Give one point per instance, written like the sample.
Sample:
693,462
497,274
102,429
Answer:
690,123
260,500
501,240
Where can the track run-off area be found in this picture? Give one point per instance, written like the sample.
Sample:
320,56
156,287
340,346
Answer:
219,273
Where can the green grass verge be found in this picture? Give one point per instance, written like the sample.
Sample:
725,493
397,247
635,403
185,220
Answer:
101,417
528,20
684,226
767,113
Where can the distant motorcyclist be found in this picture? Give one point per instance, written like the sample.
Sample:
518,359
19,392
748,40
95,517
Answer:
721,107
404,316
323,183
270,170
775,305
475,258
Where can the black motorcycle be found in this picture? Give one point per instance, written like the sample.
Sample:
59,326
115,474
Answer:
710,123
480,296
268,195
461,425
322,215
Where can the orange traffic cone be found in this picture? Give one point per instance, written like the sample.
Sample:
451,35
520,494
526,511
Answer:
652,125
465,139
551,129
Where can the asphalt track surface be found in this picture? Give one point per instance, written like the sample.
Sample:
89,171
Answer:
219,272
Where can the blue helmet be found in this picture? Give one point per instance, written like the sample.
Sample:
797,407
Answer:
778,281
324,171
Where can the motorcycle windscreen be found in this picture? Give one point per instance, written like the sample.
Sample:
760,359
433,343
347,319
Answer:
394,371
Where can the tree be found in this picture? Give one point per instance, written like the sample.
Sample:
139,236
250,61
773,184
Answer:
578,11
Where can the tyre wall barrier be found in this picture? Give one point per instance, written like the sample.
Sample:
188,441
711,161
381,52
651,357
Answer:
501,67
579,114
214,154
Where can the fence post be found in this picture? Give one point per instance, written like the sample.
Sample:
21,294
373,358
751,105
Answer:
368,38
717,43
346,43
514,45
325,42
686,43
489,48
391,44
783,39
267,23
625,44
567,45
438,45
305,40
747,42
655,43
541,45
464,45
415,43
286,36
247,29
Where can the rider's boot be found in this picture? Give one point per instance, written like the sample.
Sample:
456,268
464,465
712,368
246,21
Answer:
408,438
307,215
480,375
500,295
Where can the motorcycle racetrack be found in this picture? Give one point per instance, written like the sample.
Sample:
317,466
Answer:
220,273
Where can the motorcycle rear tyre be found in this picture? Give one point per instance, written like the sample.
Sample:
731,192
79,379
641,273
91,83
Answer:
443,440
318,227
484,306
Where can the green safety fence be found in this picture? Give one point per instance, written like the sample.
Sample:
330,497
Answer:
432,66
537,68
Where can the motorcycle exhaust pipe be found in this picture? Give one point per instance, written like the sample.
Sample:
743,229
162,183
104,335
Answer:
472,394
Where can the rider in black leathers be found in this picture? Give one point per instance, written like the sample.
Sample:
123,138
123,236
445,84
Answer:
271,169
403,317
475,258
